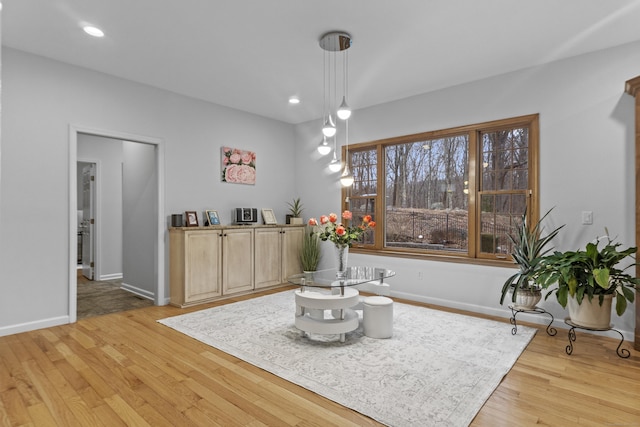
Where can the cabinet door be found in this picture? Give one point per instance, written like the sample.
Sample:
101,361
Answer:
237,261
291,247
202,265
268,257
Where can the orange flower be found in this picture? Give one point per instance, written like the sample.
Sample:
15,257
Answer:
333,217
324,219
372,224
347,215
313,222
340,230
367,218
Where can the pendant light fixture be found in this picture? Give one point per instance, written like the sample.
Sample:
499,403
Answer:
334,165
324,148
346,179
331,43
344,111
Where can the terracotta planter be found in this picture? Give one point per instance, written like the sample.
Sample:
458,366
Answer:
591,314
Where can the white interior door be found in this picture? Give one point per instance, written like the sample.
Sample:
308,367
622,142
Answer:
87,226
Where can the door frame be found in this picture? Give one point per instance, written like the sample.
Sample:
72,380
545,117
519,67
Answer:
97,208
159,245
632,87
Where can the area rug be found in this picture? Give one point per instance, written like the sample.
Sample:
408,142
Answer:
438,369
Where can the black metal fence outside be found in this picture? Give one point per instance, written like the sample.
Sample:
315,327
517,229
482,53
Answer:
442,230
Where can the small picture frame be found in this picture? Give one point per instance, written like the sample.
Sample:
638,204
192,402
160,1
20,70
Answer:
212,217
191,218
269,217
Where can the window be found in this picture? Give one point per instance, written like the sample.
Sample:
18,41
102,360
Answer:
455,192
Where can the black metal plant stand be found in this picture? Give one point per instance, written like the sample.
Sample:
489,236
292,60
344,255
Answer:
535,310
621,352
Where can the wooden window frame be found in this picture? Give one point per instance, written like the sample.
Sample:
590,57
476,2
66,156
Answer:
473,256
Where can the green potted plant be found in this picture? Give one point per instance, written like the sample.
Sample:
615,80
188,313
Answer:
310,252
587,280
528,250
295,211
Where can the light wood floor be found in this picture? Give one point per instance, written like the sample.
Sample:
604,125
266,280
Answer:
126,369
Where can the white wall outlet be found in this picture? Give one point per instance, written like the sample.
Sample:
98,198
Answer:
587,217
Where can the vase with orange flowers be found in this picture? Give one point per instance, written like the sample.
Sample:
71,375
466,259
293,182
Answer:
341,234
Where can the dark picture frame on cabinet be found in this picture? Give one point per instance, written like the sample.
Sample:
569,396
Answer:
191,218
212,217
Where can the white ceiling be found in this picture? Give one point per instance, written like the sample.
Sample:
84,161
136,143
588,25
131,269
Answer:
253,55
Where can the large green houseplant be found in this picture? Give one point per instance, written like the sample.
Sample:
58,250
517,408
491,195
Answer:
528,249
593,273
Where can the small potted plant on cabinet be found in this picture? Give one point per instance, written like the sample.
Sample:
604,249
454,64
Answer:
587,280
528,252
295,211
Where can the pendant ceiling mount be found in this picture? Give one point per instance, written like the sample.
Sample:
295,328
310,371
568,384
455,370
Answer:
335,41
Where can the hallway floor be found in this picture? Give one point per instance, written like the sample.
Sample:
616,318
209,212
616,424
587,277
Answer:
96,298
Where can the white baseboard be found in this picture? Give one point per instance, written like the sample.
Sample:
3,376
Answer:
506,313
31,326
140,292
114,276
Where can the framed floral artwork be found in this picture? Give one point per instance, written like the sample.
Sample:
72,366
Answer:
238,166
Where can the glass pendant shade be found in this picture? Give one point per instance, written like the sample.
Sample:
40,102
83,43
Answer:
324,148
329,128
344,111
334,165
346,179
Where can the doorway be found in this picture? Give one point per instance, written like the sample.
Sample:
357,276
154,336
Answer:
150,229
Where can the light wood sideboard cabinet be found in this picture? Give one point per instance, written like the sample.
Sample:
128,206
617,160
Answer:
277,255
209,263
195,266
237,260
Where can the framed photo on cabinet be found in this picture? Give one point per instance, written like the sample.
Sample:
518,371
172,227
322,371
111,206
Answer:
192,218
212,217
269,217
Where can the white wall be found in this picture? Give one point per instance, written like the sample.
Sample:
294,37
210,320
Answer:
586,162
139,221
40,99
108,156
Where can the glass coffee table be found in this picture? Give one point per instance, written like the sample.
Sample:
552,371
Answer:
324,303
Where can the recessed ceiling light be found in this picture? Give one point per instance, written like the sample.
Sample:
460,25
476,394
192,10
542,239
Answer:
93,31
294,100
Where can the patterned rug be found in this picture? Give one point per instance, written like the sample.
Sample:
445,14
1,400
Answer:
437,370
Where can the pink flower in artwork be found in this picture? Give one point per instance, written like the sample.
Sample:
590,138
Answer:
246,157
234,158
240,174
347,215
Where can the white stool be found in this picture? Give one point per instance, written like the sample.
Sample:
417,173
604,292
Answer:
377,317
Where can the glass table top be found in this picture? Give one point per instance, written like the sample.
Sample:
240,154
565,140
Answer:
327,278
